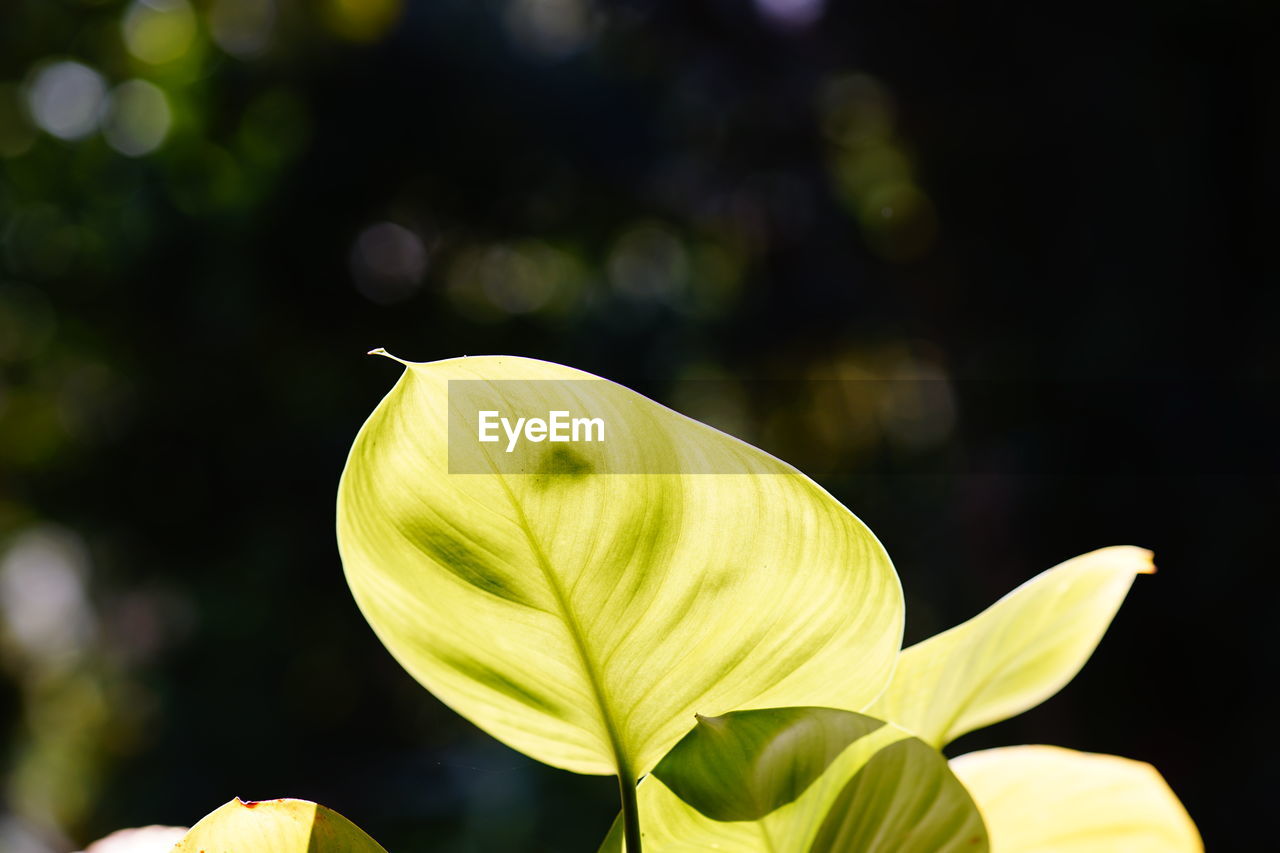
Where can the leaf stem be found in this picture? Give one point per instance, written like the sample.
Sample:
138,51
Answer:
630,810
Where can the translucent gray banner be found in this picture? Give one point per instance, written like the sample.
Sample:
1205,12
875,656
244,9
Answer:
838,427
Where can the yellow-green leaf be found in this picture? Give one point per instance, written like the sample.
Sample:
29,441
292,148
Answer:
276,826
904,800
1013,655
886,792
747,763
582,602
1045,799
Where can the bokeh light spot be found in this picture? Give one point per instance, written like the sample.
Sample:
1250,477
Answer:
871,171
17,837
550,29
243,28
899,220
159,31
16,131
791,13
513,282
66,99
205,178
43,596
856,110
138,118
41,242
867,167
362,20
649,263
275,127
388,262
27,322
491,283
917,409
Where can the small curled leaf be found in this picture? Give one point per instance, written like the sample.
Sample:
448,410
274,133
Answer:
747,763
884,792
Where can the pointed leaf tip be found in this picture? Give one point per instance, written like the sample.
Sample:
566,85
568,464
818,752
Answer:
382,352
1134,558
706,722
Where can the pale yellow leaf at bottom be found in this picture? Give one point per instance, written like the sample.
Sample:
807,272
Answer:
1046,799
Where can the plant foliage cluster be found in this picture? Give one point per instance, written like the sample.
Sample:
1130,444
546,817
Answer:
726,644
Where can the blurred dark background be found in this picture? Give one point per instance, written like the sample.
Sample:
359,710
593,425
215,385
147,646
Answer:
1036,242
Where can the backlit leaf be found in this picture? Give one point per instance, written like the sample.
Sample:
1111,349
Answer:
582,602
747,763
886,792
276,826
1015,654
1045,799
905,800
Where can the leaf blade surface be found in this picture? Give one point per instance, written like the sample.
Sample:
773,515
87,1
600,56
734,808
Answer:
584,617
1053,800
1013,655
886,792
276,826
771,757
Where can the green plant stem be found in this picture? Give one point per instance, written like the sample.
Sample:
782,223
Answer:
630,811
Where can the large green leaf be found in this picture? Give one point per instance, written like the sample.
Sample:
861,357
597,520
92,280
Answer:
769,756
1045,799
276,826
1013,655
582,602
886,792
904,800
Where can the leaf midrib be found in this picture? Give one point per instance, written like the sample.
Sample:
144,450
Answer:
585,659
589,667
764,835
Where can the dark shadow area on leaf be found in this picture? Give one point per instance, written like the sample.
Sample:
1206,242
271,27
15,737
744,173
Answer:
333,833
904,800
